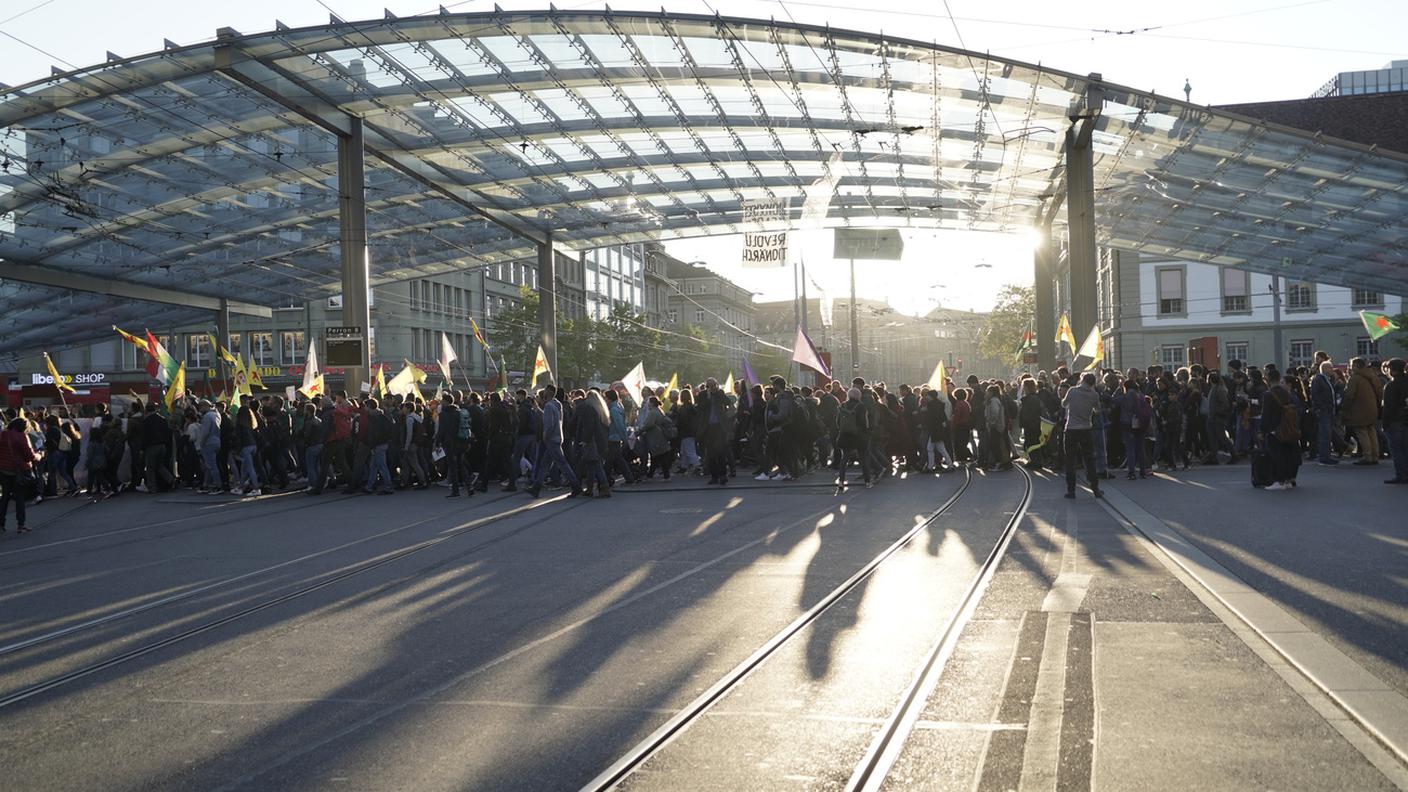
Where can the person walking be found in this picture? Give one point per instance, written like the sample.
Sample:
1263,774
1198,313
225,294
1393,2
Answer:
550,456
590,424
16,465
1280,432
1396,419
313,449
247,440
852,428
208,445
156,450
1080,404
616,439
1362,398
656,429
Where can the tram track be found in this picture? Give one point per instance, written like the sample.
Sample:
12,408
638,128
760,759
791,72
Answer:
223,583
692,712
307,588
239,507
887,744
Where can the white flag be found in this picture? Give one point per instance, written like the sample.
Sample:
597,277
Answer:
634,382
1093,349
804,352
312,378
447,355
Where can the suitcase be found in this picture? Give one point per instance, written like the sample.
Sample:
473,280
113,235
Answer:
1261,468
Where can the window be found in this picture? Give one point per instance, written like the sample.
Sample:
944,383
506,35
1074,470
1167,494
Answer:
435,303
198,353
699,316
261,348
1236,291
1170,285
1300,296
1237,350
415,345
1364,298
292,346
415,296
235,347
1171,355
674,317
1364,346
1302,352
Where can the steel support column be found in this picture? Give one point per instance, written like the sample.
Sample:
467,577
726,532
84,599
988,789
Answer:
1080,220
1043,264
352,221
1080,211
547,306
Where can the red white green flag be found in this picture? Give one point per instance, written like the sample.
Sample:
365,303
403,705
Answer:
1378,325
160,365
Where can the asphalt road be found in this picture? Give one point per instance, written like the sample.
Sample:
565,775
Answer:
504,643
415,642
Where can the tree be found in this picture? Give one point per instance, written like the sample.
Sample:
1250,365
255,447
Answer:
1012,313
514,334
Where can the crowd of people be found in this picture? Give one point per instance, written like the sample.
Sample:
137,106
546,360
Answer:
593,440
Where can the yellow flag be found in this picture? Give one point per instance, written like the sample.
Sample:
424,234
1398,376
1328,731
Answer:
140,343
58,380
380,381
241,381
728,383
1063,333
936,381
251,373
540,366
668,389
177,388
315,387
220,350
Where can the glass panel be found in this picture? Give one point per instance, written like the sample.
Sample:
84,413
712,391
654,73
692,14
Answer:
291,346
261,349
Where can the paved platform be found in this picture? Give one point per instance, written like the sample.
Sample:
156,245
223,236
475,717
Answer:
348,642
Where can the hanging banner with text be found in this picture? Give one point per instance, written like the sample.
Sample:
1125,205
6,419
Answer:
764,249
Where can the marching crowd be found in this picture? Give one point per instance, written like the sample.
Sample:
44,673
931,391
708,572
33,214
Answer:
593,440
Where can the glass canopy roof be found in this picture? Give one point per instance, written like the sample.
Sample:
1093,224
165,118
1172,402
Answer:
205,169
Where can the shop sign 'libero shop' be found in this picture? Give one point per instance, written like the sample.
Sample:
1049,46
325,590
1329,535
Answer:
86,379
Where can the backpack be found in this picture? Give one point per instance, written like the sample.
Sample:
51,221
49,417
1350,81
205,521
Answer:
1142,411
462,432
847,423
1288,430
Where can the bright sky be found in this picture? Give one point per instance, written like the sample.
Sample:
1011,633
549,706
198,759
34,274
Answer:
1229,50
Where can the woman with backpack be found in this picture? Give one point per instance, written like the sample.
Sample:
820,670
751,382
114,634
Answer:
852,429
58,442
1280,433
657,429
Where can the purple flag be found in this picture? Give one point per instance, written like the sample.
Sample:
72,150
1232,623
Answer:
804,352
748,375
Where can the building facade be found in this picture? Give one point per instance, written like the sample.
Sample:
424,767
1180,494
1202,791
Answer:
1175,312
696,296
